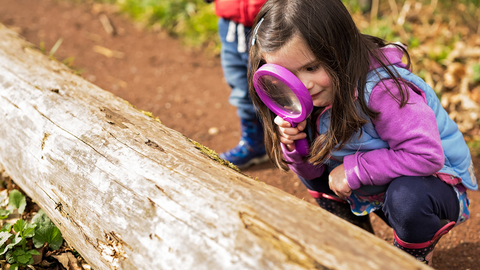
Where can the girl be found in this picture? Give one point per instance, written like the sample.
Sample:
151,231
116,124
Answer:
379,138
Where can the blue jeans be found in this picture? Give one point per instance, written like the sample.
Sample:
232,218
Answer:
235,70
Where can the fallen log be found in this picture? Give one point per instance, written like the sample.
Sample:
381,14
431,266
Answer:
129,193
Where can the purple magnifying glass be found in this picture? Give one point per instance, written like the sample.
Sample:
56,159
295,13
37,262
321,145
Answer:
286,96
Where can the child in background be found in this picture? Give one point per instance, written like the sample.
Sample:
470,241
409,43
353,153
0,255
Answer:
235,19
380,140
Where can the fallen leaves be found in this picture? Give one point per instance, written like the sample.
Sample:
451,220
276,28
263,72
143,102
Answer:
461,93
453,75
68,261
443,39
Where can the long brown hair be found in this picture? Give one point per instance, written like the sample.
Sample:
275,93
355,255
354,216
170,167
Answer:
330,32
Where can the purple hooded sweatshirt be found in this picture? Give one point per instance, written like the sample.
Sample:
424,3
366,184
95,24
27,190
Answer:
411,132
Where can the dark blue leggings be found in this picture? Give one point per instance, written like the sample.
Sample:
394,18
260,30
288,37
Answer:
414,205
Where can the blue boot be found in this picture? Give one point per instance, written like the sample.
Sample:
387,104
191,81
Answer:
251,148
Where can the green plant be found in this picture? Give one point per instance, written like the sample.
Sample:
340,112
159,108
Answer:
193,20
476,73
17,252
46,232
474,146
19,241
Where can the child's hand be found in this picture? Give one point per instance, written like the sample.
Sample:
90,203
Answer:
338,182
289,134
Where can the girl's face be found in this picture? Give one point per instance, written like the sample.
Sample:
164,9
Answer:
297,57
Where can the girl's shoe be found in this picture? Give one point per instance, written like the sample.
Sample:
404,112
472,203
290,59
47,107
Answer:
423,251
341,208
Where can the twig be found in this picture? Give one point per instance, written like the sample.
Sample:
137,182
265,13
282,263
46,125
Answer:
374,11
107,52
478,15
403,13
432,7
107,25
56,46
394,8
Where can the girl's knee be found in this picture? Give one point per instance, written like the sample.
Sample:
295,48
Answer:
406,197
407,190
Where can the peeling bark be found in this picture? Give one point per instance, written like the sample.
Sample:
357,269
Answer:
130,193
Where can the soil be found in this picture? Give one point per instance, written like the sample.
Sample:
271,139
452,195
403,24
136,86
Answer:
184,88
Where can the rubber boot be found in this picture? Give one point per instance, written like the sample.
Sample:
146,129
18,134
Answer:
341,208
424,251
251,148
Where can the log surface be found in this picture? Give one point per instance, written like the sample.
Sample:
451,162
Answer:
130,193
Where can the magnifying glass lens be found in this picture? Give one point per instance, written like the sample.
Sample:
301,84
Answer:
281,95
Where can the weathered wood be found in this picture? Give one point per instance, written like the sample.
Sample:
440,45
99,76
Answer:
130,193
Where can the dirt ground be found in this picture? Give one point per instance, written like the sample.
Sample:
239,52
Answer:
184,88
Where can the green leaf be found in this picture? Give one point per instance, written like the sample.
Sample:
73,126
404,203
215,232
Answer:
7,227
9,257
4,236
14,266
3,250
4,213
33,252
24,228
476,73
49,234
22,257
29,230
56,239
15,241
46,231
41,219
19,225
16,200
19,256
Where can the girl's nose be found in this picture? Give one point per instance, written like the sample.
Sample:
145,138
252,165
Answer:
307,82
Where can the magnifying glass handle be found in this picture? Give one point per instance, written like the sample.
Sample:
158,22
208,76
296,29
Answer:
302,146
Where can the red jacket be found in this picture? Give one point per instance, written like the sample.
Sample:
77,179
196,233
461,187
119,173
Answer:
239,11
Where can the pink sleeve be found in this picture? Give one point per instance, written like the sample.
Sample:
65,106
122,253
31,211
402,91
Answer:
410,131
306,170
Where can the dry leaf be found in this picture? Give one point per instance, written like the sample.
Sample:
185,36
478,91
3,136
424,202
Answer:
39,258
68,261
475,94
453,75
463,110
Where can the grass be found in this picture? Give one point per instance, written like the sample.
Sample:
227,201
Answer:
192,20
196,23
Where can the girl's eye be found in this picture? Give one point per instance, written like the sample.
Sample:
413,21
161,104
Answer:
312,68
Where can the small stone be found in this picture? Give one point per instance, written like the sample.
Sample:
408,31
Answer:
213,131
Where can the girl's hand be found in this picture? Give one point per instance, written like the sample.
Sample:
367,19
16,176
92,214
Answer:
289,134
338,182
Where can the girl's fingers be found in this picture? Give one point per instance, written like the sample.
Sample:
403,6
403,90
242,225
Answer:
288,134
293,137
286,141
280,122
289,131
301,126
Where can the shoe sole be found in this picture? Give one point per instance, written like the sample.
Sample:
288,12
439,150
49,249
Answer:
253,161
